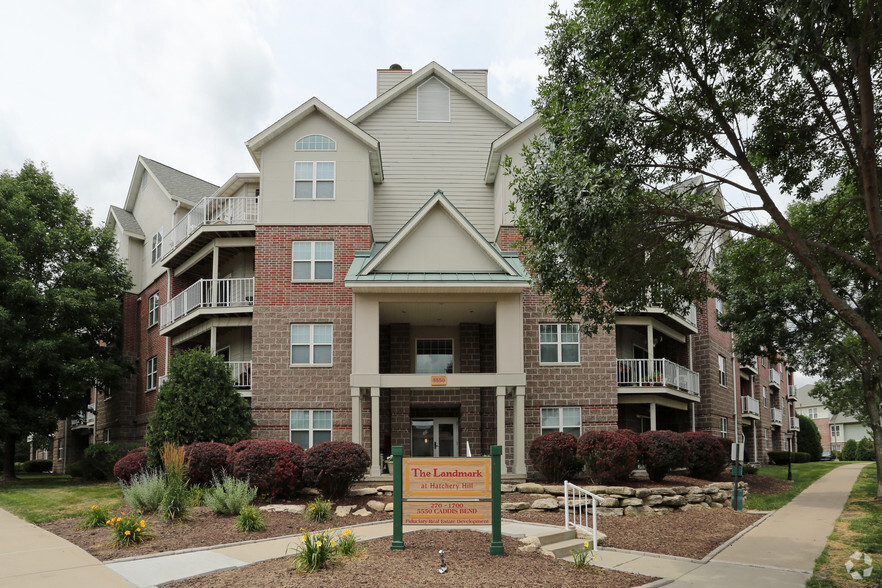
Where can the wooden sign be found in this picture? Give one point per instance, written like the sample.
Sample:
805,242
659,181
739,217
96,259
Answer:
446,513
447,478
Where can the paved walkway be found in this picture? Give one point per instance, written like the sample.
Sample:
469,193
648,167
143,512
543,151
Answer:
778,552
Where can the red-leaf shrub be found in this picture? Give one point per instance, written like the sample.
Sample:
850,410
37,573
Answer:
662,451
609,455
554,456
273,466
707,456
130,464
205,459
333,466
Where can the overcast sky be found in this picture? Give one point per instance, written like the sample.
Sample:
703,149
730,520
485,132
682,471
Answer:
90,85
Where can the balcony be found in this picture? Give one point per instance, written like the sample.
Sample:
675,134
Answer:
228,296
241,371
750,408
217,213
657,373
777,417
794,423
791,391
774,378
748,365
84,419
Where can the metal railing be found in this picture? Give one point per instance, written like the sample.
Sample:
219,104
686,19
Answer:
224,293
791,391
657,372
242,210
748,363
241,371
749,406
794,423
161,380
85,418
774,377
777,416
576,502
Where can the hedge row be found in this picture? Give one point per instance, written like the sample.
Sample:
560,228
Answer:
781,457
275,467
610,456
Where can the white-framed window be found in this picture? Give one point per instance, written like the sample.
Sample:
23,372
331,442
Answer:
722,369
559,343
314,180
765,396
433,101
434,356
310,427
763,360
151,373
565,419
312,344
156,250
106,435
724,427
718,302
766,439
312,261
315,143
153,309
835,431
812,413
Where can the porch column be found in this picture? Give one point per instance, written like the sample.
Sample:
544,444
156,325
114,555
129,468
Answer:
215,262
520,465
356,415
652,426
376,466
500,423
650,347
213,340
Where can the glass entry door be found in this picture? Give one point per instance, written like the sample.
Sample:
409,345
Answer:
435,437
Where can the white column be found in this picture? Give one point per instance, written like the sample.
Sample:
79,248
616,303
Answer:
500,423
376,466
215,261
652,426
520,464
213,340
650,348
356,415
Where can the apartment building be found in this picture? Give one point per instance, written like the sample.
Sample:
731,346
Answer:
364,285
835,428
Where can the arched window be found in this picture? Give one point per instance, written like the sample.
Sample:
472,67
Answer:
315,143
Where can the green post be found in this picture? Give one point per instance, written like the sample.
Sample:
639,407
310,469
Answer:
397,488
496,546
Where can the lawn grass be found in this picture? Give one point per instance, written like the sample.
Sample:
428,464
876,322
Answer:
858,529
804,474
38,498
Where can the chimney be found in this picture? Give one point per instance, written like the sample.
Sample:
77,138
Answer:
386,78
476,78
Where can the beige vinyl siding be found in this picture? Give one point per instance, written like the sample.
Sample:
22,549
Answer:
476,78
154,211
421,157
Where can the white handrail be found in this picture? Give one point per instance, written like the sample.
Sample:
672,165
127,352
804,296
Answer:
749,405
657,372
579,504
202,294
777,416
239,210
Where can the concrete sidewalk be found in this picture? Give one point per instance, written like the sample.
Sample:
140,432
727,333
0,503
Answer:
778,552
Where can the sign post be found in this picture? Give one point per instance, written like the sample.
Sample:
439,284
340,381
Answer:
397,532
496,546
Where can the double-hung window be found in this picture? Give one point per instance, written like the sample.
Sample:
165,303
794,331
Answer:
153,309
314,180
564,419
724,427
311,344
559,343
722,369
765,396
312,261
310,427
151,373
156,250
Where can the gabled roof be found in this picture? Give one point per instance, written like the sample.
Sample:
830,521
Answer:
126,221
176,185
314,105
433,69
501,267
235,182
504,142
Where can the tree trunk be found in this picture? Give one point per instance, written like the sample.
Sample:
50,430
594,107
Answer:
871,400
9,456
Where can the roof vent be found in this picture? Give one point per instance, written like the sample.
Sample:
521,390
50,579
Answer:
394,66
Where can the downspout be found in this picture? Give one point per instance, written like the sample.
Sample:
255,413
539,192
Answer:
64,451
737,423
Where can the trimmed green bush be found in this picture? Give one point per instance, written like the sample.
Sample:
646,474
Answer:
99,459
849,451
37,465
865,450
780,457
808,438
332,467
609,456
554,456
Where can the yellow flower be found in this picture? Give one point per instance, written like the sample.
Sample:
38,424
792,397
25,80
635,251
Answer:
94,507
333,543
128,532
142,523
311,508
123,514
318,543
347,532
306,537
137,529
587,544
107,523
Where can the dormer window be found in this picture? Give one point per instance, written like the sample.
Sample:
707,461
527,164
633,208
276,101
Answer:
433,102
315,143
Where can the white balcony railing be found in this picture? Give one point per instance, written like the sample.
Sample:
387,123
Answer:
749,406
774,377
162,379
241,371
748,363
85,418
657,372
225,293
777,416
791,391
794,423
209,211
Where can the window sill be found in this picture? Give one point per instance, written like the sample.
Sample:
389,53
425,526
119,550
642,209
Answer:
310,365
560,364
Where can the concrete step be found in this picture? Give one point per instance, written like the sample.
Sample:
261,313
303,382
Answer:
564,548
556,536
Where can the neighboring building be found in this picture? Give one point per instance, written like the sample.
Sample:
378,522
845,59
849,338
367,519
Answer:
835,429
364,285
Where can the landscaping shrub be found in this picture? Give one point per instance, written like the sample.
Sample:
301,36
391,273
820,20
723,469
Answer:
97,516
145,489
37,465
228,496
128,530
662,451
865,450
99,459
132,463
318,511
707,456
273,466
849,450
175,502
609,456
750,469
780,457
333,466
205,461
250,520
808,438
554,456
801,457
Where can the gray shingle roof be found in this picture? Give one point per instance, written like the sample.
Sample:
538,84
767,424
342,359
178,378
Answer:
180,185
127,221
